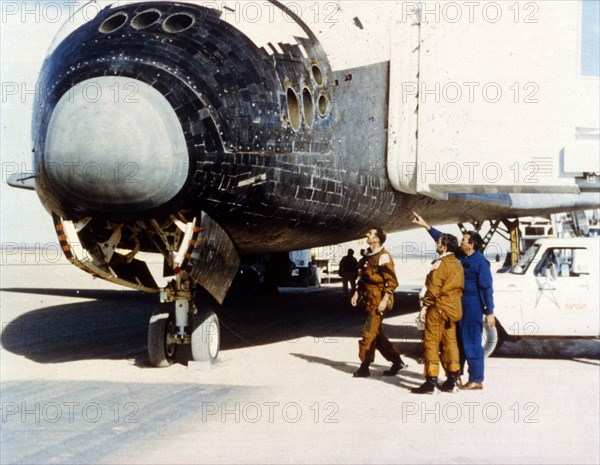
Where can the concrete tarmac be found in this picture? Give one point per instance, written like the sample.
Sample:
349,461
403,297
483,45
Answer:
76,386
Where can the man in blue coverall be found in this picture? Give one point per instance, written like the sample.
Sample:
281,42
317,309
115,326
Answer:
477,302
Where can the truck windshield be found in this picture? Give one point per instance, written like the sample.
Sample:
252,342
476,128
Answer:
526,260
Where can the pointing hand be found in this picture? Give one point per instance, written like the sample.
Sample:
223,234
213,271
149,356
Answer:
418,220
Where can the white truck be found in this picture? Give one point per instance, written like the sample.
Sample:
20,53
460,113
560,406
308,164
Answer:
553,291
303,273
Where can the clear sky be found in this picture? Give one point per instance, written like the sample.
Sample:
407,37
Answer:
27,30
590,38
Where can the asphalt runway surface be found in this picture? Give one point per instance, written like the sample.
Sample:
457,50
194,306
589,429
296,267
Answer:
76,386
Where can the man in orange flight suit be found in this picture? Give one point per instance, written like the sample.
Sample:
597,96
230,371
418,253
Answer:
440,310
376,291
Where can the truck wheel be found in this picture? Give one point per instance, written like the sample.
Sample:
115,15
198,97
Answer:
492,339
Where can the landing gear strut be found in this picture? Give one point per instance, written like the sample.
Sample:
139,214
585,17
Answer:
203,266
183,324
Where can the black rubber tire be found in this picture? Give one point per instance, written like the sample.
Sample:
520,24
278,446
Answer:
162,324
492,338
206,337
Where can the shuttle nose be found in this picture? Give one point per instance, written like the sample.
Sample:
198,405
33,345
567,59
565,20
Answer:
115,143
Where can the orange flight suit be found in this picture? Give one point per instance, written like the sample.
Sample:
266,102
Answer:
377,276
442,298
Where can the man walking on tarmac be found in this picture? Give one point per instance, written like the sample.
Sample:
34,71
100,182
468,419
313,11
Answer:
376,291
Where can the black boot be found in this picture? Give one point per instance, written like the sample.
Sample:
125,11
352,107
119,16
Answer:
451,383
397,365
363,371
428,387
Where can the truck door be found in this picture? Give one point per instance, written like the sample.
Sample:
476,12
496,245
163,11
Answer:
563,304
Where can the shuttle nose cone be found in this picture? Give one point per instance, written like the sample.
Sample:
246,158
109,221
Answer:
115,143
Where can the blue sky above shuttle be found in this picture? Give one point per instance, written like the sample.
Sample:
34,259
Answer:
590,38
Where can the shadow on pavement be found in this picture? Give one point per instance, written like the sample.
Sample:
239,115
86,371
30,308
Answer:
114,326
376,370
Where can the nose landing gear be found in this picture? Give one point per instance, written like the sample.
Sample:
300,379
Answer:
204,266
183,324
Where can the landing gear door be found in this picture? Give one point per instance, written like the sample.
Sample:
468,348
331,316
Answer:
214,260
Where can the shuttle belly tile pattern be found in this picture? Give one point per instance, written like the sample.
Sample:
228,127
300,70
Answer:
273,141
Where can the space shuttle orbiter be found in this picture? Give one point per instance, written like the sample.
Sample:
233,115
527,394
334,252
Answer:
204,131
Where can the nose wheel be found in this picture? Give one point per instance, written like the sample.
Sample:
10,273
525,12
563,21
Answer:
206,337
162,342
183,323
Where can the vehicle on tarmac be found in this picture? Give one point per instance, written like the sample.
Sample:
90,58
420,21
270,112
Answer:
552,291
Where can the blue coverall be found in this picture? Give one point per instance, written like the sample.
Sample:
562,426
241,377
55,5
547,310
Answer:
477,300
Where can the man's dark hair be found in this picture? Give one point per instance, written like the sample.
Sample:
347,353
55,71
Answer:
450,242
475,239
380,234
350,252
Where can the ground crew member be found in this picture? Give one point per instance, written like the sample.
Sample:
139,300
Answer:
440,310
477,303
348,271
375,294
